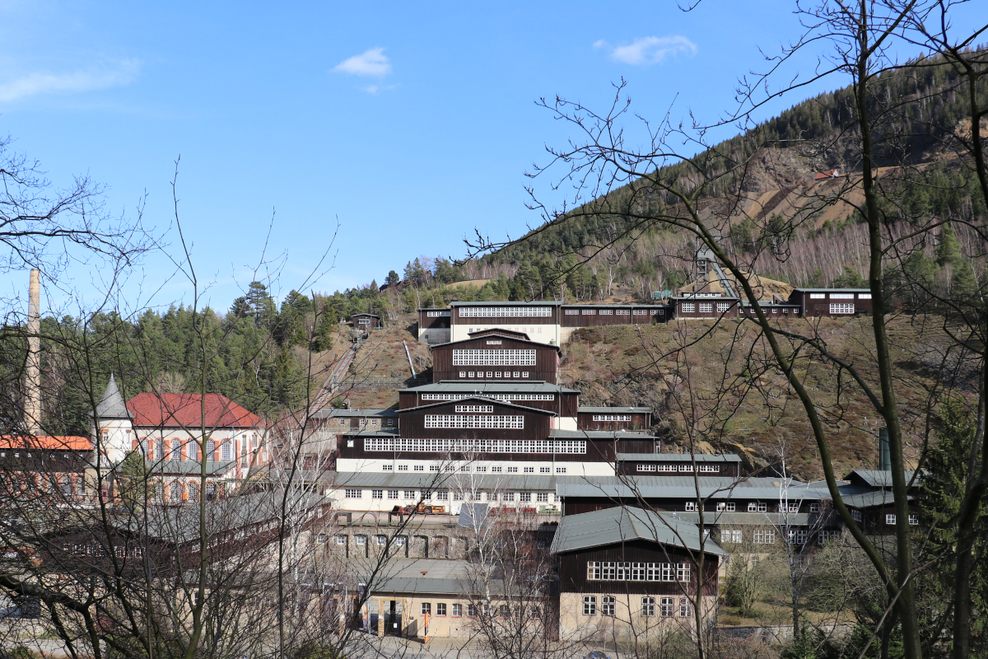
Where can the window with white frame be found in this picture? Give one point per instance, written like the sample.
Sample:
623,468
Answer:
377,494
687,307
890,518
440,608
685,607
665,607
735,536
572,312
382,540
387,467
426,608
818,296
392,494
475,408
457,610
351,493
360,540
494,357
864,296
723,306
725,507
341,540
589,312
528,470
914,520
764,537
706,307
545,470
612,417
542,497
646,467
505,312
814,507
512,421
840,308
589,605
690,506
409,494
608,605
757,507
560,470
648,607
798,536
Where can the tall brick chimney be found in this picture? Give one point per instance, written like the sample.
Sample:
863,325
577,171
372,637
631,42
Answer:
32,371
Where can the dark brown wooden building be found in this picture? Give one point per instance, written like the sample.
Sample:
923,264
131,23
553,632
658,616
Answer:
535,394
365,321
495,355
433,325
598,315
620,419
817,302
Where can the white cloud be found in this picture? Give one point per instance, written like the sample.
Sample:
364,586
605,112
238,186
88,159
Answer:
35,84
651,50
372,62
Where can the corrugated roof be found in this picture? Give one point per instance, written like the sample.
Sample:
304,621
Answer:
878,477
434,479
213,468
340,413
598,434
623,524
454,386
626,410
679,457
685,487
482,399
504,334
505,303
186,411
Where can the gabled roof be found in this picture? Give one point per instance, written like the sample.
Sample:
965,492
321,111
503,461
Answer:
480,399
620,524
488,387
505,334
718,488
351,413
46,443
186,411
877,477
112,405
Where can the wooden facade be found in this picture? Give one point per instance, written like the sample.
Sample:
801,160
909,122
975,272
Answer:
602,315
652,464
705,306
573,573
365,321
832,302
495,356
563,402
619,419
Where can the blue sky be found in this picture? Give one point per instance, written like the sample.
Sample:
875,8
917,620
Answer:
410,123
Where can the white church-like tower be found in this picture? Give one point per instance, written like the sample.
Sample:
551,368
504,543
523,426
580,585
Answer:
113,426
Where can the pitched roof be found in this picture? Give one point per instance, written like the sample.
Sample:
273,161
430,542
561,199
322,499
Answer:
616,525
112,405
186,411
47,443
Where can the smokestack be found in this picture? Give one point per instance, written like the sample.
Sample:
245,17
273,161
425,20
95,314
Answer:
884,458
32,371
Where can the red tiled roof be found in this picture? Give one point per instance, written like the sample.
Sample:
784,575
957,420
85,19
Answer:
830,173
47,443
185,410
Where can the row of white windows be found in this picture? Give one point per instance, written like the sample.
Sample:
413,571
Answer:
505,312
474,408
437,314
667,606
612,417
842,308
688,467
447,495
494,396
755,507
840,296
890,519
474,445
524,357
495,375
630,571
481,469
767,537
369,422
510,421
705,307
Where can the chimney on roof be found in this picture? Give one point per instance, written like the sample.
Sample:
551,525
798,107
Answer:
884,457
32,370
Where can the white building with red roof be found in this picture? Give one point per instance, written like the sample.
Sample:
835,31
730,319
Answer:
181,434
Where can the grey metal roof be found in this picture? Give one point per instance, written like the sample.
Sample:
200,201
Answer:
494,331
364,432
598,434
481,398
679,457
878,477
622,524
335,413
418,576
870,499
615,306
434,479
631,410
112,404
745,519
454,386
685,487
505,303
